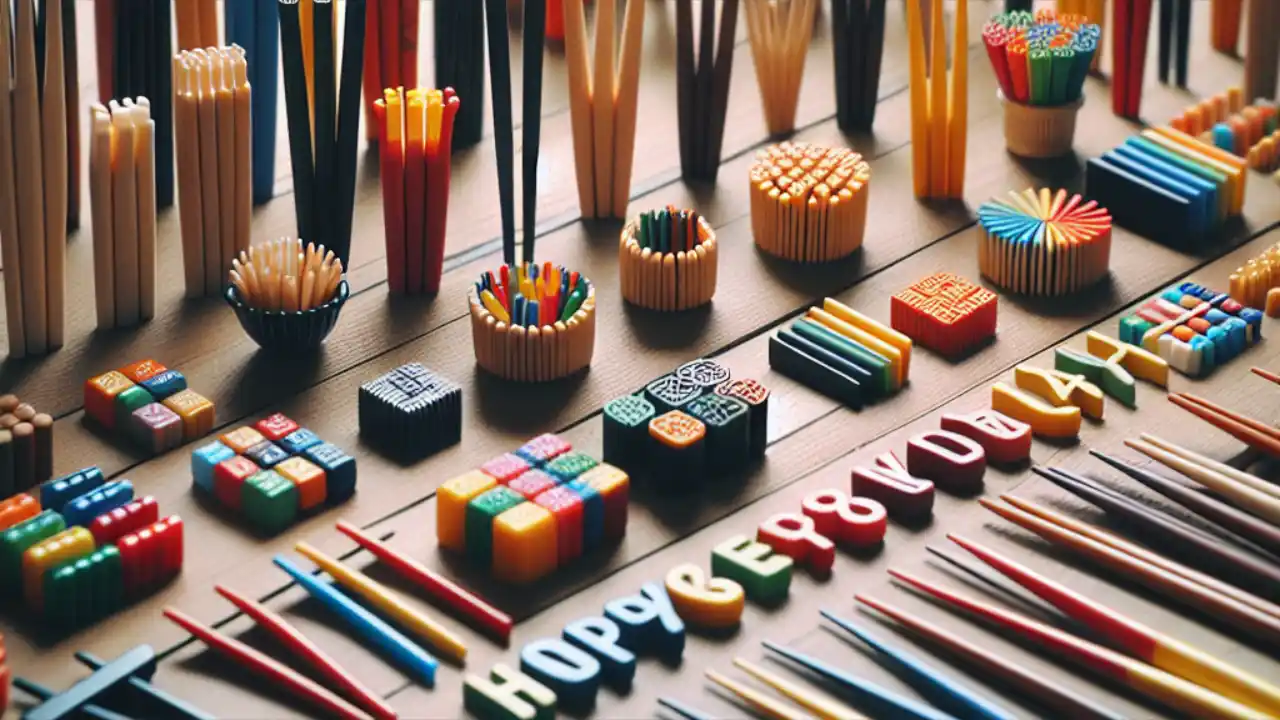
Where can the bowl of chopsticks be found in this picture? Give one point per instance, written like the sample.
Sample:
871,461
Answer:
287,296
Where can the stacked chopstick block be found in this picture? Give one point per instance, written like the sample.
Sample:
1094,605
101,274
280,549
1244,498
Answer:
150,404
1041,59
1224,24
255,26
702,96
390,52
33,176
1130,27
1168,186
273,472
945,313
939,114
460,64
667,260
197,22
26,446
323,108
857,47
809,203
415,141
779,34
215,176
135,55
1252,282
604,132
1044,244
122,199
842,354
535,324
1193,327
410,411
81,548
1096,12
524,514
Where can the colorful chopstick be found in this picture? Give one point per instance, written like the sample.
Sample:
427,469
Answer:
1195,465
760,703
1265,374
1040,59
821,706
1245,429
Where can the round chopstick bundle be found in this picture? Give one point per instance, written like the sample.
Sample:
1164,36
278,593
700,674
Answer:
667,260
285,295
533,323
1044,243
809,203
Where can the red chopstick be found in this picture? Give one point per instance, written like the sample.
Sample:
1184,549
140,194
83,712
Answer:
392,169
493,621
437,199
1249,431
409,43
389,36
308,652
1266,374
1138,32
415,180
298,684
1121,18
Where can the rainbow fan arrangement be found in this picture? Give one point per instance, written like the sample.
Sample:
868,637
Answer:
1044,243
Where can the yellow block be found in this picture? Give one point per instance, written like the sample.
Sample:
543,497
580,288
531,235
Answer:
1061,388
524,544
1174,141
896,363
1044,419
714,603
1138,362
69,545
451,507
880,330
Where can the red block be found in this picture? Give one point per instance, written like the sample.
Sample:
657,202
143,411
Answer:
566,506
532,484
152,556
142,370
229,476
888,483
796,537
1005,440
853,521
949,459
275,427
946,313
109,528
505,468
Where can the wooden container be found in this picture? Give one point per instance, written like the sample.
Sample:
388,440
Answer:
667,281
1035,131
533,354
808,202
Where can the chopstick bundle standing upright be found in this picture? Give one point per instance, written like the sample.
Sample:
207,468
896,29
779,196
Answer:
459,53
779,32
1175,35
1262,50
1224,24
33,175
254,26
323,107
857,43
939,120
1130,26
123,206
213,98
604,132
415,141
390,52
703,90
197,22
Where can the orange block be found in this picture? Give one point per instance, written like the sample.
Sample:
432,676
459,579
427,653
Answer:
196,411
241,439
451,507
100,397
308,478
524,544
16,509
142,370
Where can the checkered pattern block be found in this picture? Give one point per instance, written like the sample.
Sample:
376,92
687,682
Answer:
528,512
272,472
1194,328
411,412
149,403
946,313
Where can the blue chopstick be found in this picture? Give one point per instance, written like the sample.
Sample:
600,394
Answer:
683,710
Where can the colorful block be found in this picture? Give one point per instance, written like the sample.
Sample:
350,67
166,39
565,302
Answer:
1193,328
706,374
275,427
1132,359
648,623
164,383
269,501
16,540
204,460
795,536
567,509
83,509
600,638
308,479
142,370
626,429
569,466
678,448
481,514
411,411
1111,378
1004,440
339,470
228,477
197,413
241,439
152,556
507,695
1044,419
572,674
452,499
671,392
130,399
728,432
544,448
946,313
156,428
297,442
67,546
525,544
949,459
614,488
16,509
266,454
705,602
82,592
56,493
1061,389
856,522
764,575
110,527
100,395
505,468
887,482
870,338
756,397
532,484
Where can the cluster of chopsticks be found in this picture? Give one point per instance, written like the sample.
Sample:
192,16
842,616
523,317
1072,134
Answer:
283,275
1041,59
1254,433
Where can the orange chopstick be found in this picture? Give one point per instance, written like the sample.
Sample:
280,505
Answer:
1266,374
1243,428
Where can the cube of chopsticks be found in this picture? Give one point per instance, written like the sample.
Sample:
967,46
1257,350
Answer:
123,203
390,52
1044,244
829,185
416,143
33,176
604,133
939,120
533,323
667,260
255,26
779,33
703,90
197,22
215,173
857,35
460,64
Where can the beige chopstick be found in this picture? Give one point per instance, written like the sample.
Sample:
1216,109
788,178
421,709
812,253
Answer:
54,141
10,241
101,211
125,212
29,178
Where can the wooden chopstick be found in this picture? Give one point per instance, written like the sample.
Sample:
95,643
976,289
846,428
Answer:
1257,502
1243,428
1266,374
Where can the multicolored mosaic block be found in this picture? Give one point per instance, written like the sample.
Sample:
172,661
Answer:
524,514
149,403
411,412
273,472
755,396
1194,328
946,313
707,374
728,431
678,451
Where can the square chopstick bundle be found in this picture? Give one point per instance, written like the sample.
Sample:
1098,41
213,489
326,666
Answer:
255,26
390,52
703,91
939,119
123,202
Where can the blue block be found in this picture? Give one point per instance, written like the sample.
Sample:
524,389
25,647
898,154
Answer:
82,510
572,674
1253,317
296,442
649,624
339,471
266,454
1238,331
599,636
1173,295
1208,359
162,385
592,515
57,492
1221,341
204,460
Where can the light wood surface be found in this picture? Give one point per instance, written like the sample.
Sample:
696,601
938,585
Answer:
814,441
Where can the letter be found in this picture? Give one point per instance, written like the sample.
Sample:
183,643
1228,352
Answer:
599,637
1005,440
763,575
649,623
717,603
948,459
573,675
794,535
508,695
854,521
888,483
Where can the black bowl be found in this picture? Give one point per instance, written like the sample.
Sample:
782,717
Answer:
288,331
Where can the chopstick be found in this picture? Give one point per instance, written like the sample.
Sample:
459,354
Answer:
821,706
535,32
1195,461
1266,374
760,703
684,711
504,149
1245,429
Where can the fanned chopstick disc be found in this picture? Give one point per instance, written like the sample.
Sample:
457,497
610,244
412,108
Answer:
808,202
1044,243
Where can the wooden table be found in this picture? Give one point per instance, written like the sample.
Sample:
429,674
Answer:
814,442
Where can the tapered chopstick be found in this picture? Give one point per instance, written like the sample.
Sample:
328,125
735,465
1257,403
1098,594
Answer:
1266,374
821,706
684,711
504,148
535,31
760,703
1243,428
1197,461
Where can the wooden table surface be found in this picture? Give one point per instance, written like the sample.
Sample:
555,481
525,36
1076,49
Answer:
813,443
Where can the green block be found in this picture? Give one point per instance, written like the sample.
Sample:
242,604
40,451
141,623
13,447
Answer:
16,540
269,502
60,585
481,513
507,695
569,466
856,353
108,580
1113,379
1132,328
87,610
765,576
128,401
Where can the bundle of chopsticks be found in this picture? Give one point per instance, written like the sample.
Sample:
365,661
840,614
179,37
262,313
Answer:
1254,433
857,41
702,96
390,52
459,55
779,32
283,275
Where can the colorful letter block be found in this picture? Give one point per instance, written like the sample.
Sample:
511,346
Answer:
156,427
532,484
197,413
888,482
856,522
69,545
946,313
1061,389
1044,419
764,575
203,462
269,501
266,454
569,466
16,540
949,459
113,400
100,395
507,695
241,439
165,383
572,674
648,624
717,602
307,478
600,637
142,370
793,535
1005,441
229,476
275,427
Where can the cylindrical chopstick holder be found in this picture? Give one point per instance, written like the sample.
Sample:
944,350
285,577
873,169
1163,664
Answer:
791,179
1035,131
533,354
674,280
